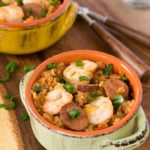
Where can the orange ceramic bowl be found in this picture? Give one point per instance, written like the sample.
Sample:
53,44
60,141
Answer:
92,55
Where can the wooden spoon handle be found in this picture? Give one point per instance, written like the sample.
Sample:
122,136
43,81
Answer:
138,36
142,69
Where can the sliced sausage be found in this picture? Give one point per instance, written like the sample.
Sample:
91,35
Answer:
34,9
88,87
113,87
77,124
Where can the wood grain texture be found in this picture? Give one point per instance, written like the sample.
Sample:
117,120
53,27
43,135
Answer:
133,17
131,33
79,37
123,52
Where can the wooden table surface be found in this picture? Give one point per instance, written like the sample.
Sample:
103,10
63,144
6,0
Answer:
17,134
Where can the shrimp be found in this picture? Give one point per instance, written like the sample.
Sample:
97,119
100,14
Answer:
100,110
11,14
9,1
73,72
56,99
44,3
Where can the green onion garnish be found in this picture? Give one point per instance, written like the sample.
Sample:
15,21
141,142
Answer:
79,63
43,13
84,78
108,69
54,2
51,66
25,117
93,96
62,80
74,114
28,68
37,89
124,79
69,88
11,104
117,101
9,69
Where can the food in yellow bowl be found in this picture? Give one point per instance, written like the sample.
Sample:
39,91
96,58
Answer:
29,26
26,10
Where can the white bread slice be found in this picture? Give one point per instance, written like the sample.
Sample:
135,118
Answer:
10,135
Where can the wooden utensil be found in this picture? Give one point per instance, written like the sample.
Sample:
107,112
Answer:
138,36
142,69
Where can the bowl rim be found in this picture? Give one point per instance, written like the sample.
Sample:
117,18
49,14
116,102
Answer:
38,22
138,93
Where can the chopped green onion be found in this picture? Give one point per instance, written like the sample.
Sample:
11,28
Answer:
79,63
43,13
84,78
95,94
52,66
3,106
37,89
69,88
62,80
117,101
11,67
54,2
3,4
108,69
25,117
9,97
28,68
74,114
124,79
11,104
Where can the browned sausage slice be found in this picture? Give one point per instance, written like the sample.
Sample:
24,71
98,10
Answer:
88,87
77,124
113,87
34,9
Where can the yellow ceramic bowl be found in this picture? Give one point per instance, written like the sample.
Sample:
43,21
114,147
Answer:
25,38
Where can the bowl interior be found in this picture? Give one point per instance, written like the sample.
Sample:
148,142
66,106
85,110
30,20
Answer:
67,57
38,22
